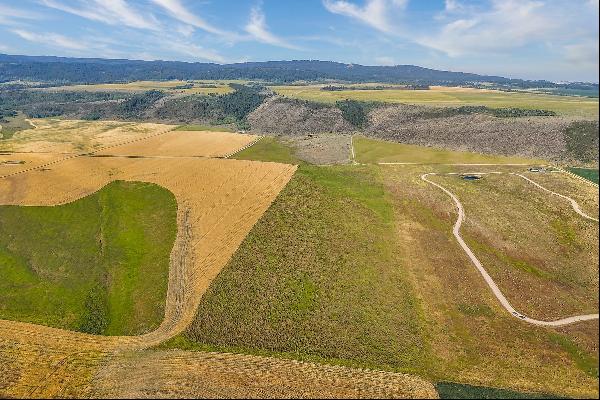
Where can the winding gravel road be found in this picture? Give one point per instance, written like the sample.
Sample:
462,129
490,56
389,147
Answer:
488,279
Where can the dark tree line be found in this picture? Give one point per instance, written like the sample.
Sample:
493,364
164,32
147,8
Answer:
78,70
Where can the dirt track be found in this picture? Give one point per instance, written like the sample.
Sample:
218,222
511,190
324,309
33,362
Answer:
488,279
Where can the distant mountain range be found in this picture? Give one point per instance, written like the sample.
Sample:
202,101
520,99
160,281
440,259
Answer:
97,70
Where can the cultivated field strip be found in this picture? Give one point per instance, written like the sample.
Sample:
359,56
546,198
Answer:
180,374
488,279
185,144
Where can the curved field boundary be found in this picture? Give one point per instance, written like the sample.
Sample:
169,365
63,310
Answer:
181,374
488,279
228,197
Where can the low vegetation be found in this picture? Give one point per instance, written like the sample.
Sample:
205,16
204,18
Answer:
11,123
449,390
319,287
376,151
582,140
97,265
206,128
315,283
587,173
451,97
355,112
268,149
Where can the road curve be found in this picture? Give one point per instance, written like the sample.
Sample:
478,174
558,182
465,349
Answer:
488,279
573,202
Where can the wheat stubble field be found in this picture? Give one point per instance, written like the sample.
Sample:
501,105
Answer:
218,202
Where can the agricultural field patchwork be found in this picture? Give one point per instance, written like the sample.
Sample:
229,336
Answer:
260,267
173,86
181,143
286,274
442,96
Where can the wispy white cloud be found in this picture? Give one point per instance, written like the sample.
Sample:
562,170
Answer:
375,13
51,39
258,30
112,12
198,53
12,16
177,10
583,54
507,25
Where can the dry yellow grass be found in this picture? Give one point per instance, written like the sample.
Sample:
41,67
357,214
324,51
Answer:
11,163
185,144
181,374
73,136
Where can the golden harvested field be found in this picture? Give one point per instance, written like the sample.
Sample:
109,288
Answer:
186,144
11,163
181,374
451,97
174,86
72,136
213,219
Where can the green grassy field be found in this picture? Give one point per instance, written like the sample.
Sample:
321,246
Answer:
371,151
311,283
564,105
97,265
269,149
449,390
315,283
587,173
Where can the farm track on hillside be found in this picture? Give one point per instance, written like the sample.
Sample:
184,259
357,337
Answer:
488,279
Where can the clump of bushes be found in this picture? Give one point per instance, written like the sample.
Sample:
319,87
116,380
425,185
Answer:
356,112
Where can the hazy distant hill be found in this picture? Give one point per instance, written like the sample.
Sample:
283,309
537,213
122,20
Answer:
95,70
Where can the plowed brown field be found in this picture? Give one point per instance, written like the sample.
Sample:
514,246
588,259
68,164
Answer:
185,144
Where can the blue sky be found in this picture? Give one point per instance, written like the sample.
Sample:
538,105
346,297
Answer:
534,39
